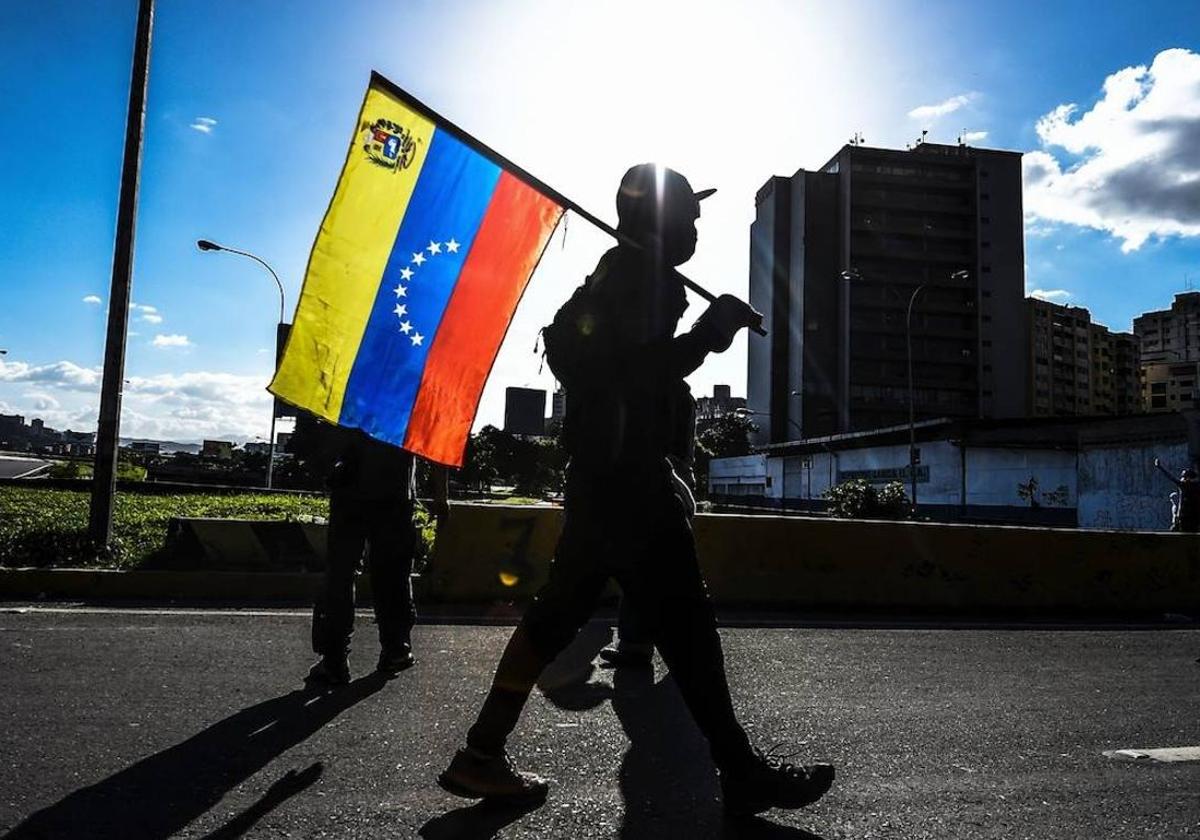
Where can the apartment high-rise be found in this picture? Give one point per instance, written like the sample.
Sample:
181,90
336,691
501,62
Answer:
1077,367
835,356
1170,354
1171,335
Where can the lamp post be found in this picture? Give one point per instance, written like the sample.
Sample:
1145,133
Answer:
912,425
848,276
206,245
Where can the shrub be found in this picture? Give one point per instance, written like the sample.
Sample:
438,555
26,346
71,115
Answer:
858,499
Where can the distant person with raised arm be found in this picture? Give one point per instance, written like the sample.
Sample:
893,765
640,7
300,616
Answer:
1187,512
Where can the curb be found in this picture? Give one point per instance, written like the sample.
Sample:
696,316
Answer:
101,584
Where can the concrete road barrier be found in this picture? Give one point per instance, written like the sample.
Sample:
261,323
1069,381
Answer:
498,552
491,553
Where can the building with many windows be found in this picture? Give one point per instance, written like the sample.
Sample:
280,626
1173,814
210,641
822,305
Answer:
1171,335
1078,367
835,355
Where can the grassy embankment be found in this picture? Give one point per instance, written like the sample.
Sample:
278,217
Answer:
45,527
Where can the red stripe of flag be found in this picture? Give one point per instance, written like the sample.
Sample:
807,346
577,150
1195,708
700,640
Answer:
514,232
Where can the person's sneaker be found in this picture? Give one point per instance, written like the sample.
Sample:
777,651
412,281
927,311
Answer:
329,670
619,657
771,782
393,660
476,775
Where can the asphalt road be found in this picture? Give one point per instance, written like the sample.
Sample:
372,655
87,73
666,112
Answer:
13,467
134,725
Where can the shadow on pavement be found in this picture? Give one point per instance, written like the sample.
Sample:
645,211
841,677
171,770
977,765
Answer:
161,794
480,821
667,777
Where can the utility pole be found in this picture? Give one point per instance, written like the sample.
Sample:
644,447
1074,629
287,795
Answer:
108,427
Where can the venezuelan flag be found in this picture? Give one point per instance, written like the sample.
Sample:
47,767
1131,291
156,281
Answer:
423,255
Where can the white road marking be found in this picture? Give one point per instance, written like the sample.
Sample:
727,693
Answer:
1162,755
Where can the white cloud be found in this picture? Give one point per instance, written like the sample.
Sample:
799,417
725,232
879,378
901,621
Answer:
42,401
1052,295
151,318
147,309
204,125
941,109
173,340
92,299
177,406
1138,149
974,136
61,374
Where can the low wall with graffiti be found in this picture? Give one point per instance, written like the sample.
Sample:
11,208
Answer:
494,552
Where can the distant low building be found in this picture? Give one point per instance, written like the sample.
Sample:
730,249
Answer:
222,450
257,447
146,447
1094,472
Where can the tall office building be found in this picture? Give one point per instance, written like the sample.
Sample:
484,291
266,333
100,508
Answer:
1077,367
835,355
525,411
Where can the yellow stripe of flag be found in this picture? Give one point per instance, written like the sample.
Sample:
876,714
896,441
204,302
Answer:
348,259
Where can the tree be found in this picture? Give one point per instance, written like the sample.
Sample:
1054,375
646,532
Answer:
727,436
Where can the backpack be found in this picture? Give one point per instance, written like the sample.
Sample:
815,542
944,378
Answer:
573,336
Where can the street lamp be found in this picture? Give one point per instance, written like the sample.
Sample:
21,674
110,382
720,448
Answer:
957,276
849,276
206,245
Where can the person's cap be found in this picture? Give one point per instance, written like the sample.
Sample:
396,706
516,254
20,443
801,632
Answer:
649,189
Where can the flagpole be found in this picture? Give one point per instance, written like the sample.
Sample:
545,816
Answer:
108,425
381,81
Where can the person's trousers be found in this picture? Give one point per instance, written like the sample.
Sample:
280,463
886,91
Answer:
633,634
383,530
636,531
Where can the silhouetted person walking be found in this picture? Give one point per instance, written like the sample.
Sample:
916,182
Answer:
1187,513
371,505
613,346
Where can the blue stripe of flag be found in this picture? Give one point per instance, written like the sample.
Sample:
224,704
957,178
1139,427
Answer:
450,199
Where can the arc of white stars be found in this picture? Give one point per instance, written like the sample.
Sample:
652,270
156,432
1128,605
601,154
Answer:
406,274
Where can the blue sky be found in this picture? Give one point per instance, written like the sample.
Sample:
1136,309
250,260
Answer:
252,103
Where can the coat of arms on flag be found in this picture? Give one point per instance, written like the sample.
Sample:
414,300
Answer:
426,248
388,144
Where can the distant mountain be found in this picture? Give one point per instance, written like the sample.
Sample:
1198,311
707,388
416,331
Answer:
167,447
